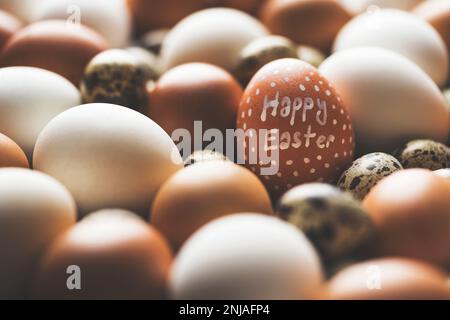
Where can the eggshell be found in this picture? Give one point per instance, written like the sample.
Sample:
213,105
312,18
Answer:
246,257
29,99
8,26
391,29
390,99
358,6
55,45
204,156
25,10
411,212
425,154
119,256
202,192
107,156
110,18
444,173
195,92
10,154
34,208
308,22
153,40
291,98
310,55
389,279
214,36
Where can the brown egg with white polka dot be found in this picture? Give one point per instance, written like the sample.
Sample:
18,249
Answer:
295,128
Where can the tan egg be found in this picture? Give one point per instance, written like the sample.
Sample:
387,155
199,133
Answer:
358,6
34,209
114,254
307,22
10,154
8,26
203,192
411,213
55,45
25,10
388,279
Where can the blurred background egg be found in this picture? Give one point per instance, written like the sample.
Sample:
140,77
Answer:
107,156
388,279
8,26
25,10
202,192
119,256
391,29
214,36
426,154
310,55
29,99
307,22
34,208
358,6
411,213
55,45
246,256
390,99
10,154
200,156
444,173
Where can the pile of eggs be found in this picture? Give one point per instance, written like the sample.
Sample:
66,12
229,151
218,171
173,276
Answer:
337,185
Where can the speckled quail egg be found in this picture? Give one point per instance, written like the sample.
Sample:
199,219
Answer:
261,51
311,55
366,172
117,77
334,222
204,156
444,173
425,154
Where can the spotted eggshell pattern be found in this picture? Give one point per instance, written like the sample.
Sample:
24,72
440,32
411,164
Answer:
366,172
290,98
425,154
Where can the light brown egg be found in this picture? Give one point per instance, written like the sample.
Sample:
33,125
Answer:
8,26
411,213
10,154
203,192
114,254
307,22
55,45
388,279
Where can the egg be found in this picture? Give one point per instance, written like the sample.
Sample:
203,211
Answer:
333,221
310,55
388,279
411,213
358,6
260,52
55,45
153,40
366,172
204,156
116,76
202,192
10,154
391,29
115,254
214,36
390,99
444,173
29,99
108,156
110,18
147,58
34,208
307,22
195,92
8,26
245,257
297,129
426,154
25,10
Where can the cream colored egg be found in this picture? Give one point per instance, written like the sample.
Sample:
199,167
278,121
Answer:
389,98
108,156
246,256
29,99
215,36
401,32
23,9
34,208
358,6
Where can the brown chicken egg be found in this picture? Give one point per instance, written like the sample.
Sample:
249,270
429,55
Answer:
10,154
411,213
388,279
296,127
307,22
203,192
8,26
110,254
55,45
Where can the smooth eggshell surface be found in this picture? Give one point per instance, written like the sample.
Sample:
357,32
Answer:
107,156
390,99
10,154
358,6
8,26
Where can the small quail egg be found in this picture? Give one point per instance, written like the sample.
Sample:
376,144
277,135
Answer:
334,222
444,173
311,55
366,172
424,154
204,156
